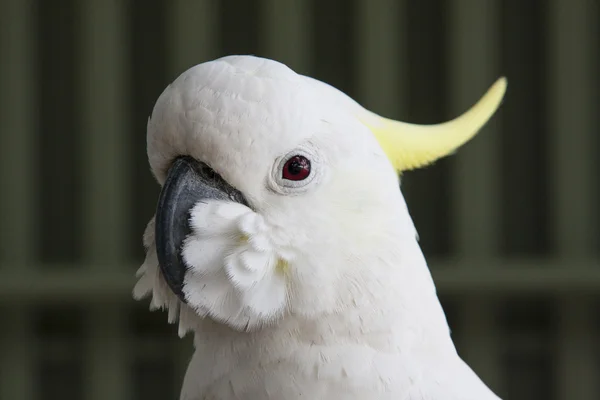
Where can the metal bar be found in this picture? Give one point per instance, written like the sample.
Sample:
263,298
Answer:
381,47
516,277
504,278
481,342
105,132
192,34
106,195
108,371
473,49
571,45
577,367
473,56
572,42
287,32
18,208
17,355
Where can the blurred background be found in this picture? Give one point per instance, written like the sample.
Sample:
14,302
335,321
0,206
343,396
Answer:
510,224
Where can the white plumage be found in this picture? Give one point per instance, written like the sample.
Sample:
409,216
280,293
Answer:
316,290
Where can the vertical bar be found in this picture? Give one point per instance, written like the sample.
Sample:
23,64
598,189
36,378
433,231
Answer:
473,58
571,45
108,374
480,342
381,47
287,34
17,355
576,367
106,196
18,213
192,27
105,131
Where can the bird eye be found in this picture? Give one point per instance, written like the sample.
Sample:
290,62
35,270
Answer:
295,172
297,168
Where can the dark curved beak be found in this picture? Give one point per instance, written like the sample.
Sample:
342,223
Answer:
188,183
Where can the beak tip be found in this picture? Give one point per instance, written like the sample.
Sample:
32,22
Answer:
171,263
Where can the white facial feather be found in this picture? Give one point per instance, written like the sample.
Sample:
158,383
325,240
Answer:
243,116
234,276
322,282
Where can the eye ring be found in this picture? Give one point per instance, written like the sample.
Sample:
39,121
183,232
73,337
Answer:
304,166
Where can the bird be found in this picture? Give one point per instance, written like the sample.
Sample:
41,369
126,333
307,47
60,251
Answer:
282,241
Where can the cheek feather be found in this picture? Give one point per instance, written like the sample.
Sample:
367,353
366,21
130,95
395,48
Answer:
235,274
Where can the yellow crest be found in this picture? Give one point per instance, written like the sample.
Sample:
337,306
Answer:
410,146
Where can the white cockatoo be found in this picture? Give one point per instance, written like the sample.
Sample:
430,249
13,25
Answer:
282,240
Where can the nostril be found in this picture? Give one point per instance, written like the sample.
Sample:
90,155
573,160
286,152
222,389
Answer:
205,171
210,173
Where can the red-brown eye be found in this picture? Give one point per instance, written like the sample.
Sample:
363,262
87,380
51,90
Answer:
296,168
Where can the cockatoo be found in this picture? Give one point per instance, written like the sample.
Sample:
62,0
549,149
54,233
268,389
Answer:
283,242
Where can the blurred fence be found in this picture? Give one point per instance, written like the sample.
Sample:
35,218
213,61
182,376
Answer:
510,223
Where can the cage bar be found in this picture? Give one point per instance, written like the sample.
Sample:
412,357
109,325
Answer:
381,50
17,355
286,35
473,64
18,215
192,29
106,192
577,370
105,132
18,129
107,371
571,46
480,340
501,278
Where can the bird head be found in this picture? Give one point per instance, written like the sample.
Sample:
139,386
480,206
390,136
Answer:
280,194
